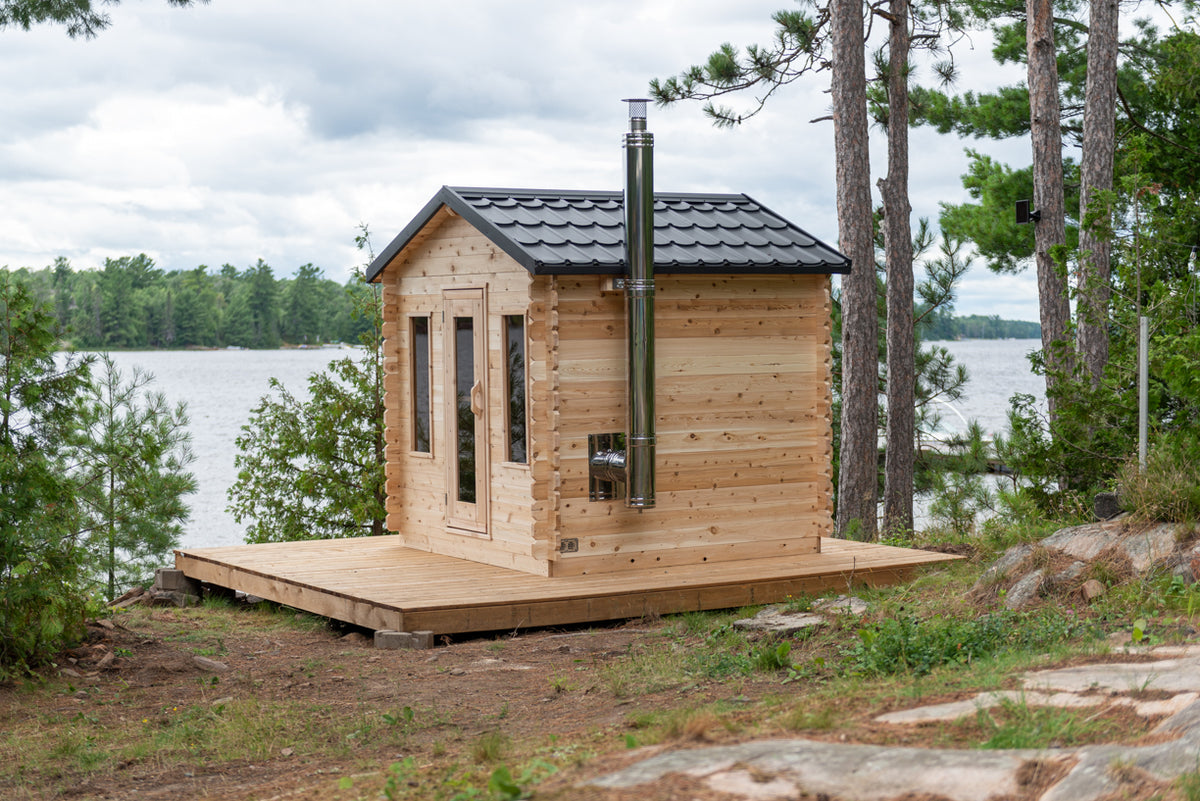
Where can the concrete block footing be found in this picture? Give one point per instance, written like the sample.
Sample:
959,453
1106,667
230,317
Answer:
170,579
389,640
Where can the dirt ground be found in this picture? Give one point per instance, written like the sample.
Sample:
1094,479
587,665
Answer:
341,712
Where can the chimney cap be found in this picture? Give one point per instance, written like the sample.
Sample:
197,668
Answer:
637,107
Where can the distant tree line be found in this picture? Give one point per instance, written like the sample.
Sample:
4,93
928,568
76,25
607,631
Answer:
945,326
132,304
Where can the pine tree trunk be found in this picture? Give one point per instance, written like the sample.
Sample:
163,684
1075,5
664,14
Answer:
1050,231
901,379
856,514
1096,173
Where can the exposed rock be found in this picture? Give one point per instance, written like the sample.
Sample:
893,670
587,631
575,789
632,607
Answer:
1086,542
106,660
1025,591
1150,547
885,773
1065,578
1121,547
779,620
1005,565
842,605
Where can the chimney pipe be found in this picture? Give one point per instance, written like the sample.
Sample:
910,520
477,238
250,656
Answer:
633,466
639,305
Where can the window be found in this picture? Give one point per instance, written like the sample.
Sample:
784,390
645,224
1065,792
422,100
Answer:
419,359
514,339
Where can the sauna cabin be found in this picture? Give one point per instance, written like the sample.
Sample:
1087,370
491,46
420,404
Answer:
506,338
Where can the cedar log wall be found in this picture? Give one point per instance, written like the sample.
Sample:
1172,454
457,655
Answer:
743,420
743,413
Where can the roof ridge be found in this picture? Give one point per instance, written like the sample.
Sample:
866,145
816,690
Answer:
575,232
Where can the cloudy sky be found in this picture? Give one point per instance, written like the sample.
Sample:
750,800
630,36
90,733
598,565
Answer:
270,129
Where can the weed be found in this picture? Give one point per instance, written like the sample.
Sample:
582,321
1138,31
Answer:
560,684
398,773
811,719
490,747
772,657
1166,489
905,643
1024,726
1188,785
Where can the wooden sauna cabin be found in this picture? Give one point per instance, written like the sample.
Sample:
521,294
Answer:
506,374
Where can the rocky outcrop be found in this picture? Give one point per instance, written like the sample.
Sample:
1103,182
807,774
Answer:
1081,561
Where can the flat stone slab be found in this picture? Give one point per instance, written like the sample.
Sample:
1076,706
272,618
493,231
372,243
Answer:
778,620
956,710
859,772
765,770
1170,675
842,605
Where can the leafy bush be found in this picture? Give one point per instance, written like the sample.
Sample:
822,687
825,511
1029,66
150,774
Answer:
315,469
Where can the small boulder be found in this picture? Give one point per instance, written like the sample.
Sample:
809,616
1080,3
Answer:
1091,590
211,665
1106,505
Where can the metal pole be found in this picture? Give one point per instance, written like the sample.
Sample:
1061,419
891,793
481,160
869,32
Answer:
1143,386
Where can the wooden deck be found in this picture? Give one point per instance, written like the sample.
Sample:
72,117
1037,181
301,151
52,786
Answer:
377,583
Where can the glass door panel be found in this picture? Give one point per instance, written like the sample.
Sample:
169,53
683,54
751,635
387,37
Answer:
466,413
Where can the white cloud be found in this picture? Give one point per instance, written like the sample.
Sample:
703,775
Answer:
234,131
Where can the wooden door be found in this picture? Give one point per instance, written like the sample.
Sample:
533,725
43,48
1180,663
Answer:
466,430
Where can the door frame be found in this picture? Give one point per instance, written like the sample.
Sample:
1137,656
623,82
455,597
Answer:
466,517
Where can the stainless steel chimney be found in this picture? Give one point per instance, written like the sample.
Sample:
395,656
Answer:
639,306
634,465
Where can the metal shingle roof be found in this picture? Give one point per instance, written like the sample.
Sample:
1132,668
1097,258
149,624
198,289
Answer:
558,232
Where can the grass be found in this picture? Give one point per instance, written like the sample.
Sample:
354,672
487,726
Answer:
1018,725
694,677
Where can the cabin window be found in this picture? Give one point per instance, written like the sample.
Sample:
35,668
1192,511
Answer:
514,338
420,360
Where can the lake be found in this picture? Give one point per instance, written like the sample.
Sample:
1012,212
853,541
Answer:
221,387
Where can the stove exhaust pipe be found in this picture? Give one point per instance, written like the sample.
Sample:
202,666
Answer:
639,303
634,466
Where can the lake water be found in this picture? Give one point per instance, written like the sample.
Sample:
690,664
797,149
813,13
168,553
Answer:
221,387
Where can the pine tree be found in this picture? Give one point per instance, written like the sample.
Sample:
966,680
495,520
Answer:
131,451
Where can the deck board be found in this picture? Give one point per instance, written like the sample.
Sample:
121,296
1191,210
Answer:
378,583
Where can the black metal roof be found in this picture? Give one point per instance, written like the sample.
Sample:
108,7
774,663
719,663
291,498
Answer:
555,232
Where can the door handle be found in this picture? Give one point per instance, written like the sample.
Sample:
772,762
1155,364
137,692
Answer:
477,399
